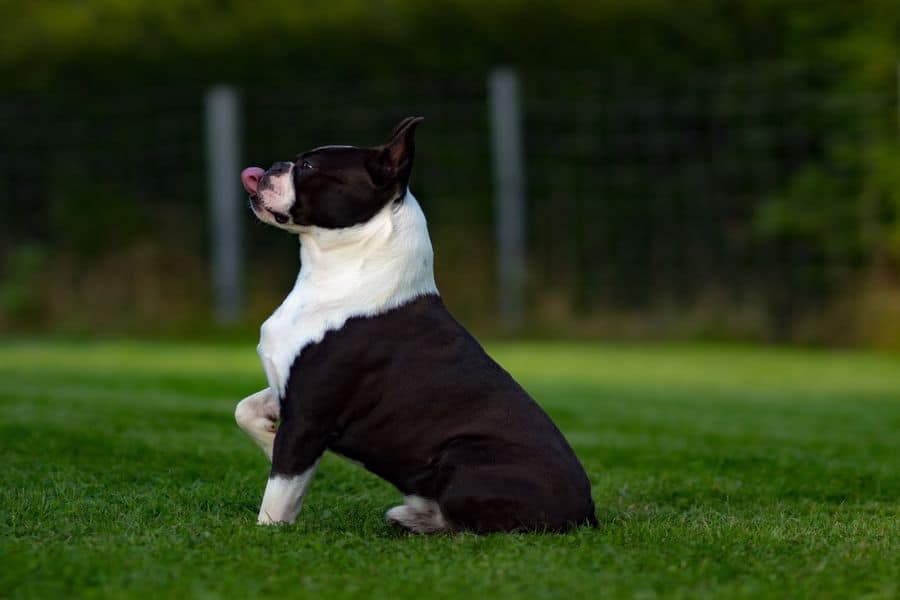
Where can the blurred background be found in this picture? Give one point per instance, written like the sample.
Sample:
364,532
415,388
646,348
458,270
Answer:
614,168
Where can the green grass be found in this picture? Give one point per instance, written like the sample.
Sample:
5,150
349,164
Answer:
717,472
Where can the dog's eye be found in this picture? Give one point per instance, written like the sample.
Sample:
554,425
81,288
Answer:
306,165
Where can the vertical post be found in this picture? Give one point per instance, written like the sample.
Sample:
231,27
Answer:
509,194
223,176
897,99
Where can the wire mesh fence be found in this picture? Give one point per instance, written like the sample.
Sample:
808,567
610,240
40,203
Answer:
663,197
652,207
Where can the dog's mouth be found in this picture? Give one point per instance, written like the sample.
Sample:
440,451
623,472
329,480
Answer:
280,218
260,209
250,178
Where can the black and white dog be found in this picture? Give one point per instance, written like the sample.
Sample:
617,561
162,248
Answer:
363,359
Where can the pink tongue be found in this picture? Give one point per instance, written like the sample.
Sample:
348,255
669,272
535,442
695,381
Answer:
250,178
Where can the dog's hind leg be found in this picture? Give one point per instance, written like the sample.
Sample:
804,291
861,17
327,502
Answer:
257,415
497,498
419,515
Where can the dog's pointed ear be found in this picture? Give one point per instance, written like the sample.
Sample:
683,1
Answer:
394,159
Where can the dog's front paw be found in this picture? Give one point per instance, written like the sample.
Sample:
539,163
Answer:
265,518
269,519
265,424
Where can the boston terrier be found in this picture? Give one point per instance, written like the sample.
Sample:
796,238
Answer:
362,358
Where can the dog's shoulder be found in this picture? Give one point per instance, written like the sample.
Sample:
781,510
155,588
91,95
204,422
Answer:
417,346
347,274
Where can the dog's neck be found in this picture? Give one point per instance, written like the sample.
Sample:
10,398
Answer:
359,271
388,258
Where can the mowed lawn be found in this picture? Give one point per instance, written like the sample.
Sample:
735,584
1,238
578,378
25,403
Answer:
717,472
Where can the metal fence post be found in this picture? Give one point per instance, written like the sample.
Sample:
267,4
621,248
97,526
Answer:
223,178
509,194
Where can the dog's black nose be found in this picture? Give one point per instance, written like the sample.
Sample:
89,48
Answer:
279,168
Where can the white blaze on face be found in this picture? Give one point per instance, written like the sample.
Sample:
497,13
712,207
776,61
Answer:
278,195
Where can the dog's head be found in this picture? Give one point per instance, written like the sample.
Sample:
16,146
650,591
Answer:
333,186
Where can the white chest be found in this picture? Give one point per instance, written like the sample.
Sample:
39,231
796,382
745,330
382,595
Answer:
361,271
299,321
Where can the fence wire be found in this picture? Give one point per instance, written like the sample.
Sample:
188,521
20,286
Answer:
643,198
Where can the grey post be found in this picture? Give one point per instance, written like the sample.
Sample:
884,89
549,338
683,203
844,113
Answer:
509,194
225,198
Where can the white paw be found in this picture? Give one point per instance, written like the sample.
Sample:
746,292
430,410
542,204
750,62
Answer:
264,425
419,515
399,515
265,518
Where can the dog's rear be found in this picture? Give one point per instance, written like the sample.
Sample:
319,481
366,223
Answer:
433,414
